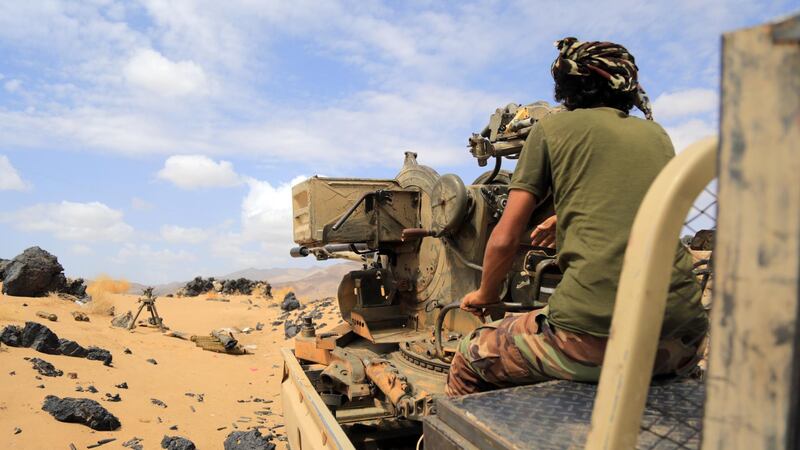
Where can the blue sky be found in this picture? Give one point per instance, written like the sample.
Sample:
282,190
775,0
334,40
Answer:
158,139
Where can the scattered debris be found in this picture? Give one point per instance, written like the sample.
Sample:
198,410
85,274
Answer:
79,316
123,320
81,410
290,329
46,315
226,338
213,343
158,402
152,361
92,389
127,351
17,430
179,334
177,443
45,368
72,375
134,443
123,385
41,386
101,442
174,428
100,354
259,326
248,440
113,398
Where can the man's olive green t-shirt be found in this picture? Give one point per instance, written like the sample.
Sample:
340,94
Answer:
599,163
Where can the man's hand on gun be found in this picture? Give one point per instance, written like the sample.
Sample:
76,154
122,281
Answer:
476,303
544,235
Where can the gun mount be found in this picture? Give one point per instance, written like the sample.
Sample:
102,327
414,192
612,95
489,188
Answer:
420,238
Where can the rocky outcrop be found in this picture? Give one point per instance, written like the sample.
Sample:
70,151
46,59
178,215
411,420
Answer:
71,348
237,286
76,287
290,302
33,273
3,264
11,336
241,286
197,286
123,320
40,338
81,410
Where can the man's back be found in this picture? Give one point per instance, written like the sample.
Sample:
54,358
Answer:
599,162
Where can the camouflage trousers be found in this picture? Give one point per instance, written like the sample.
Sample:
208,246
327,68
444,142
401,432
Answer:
526,349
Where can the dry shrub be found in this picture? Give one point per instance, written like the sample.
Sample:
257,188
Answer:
102,290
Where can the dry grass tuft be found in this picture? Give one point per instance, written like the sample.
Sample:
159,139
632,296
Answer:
103,289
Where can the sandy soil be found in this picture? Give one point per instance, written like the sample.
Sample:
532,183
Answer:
223,380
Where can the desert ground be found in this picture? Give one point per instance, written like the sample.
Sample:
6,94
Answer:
207,395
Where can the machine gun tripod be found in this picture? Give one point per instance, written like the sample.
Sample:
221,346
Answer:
148,301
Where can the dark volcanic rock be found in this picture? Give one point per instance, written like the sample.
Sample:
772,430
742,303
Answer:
81,410
11,336
45,368
75,287
100,354
33,273
71,348
3,264
238,286
40,338
198,286
290,329
177,443
290,302
248,440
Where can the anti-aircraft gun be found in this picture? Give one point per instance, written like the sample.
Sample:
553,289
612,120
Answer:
420,237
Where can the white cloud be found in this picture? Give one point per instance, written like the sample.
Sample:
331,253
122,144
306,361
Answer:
689,132
265,236
81,249
685,103
12,85
198,171
150,70
9,177
178,234
72,221
147,254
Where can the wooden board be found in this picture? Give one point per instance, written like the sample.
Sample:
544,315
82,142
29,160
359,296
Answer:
751,397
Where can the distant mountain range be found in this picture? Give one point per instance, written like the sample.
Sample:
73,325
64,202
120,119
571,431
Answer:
305,282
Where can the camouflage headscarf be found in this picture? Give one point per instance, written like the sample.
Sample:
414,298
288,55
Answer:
606,59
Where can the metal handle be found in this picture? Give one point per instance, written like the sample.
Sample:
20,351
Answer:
415,233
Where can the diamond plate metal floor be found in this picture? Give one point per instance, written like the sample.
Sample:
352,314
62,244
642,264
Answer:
556,415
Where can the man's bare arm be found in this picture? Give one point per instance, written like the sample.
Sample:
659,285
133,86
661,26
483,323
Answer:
501,250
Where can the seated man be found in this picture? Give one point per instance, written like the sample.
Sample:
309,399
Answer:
599,162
